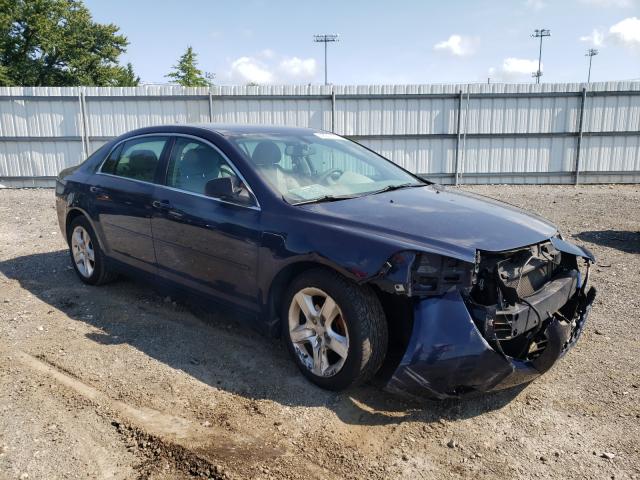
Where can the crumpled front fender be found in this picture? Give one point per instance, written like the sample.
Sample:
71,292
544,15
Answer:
447,355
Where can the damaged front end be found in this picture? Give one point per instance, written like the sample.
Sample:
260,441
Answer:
495,323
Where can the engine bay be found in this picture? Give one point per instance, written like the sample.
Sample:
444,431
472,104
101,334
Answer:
524,301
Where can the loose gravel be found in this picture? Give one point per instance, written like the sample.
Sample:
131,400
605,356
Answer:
124,382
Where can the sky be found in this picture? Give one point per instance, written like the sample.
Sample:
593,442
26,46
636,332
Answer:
381,42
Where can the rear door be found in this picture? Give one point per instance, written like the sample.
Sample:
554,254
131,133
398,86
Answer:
206,243
123,194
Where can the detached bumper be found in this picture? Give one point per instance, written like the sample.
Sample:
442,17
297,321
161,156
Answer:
447,355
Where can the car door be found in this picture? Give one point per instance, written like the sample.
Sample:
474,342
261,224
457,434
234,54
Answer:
206,243
122,197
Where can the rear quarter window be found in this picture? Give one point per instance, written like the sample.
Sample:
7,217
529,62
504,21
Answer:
137,159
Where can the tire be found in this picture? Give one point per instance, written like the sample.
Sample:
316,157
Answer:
359,318
95,271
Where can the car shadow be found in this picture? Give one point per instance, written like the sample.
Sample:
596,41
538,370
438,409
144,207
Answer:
622,240
217,348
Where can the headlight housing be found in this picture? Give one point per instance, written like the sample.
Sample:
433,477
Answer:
433,274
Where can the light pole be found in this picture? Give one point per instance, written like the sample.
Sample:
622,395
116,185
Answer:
592,52
539,33
325,38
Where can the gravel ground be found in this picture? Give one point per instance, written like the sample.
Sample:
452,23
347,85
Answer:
121,382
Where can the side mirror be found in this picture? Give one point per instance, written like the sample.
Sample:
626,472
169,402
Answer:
220,188
224,188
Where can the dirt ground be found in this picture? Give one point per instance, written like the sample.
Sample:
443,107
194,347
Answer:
120,382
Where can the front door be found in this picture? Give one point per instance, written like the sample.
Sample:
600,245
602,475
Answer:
123,195
206,243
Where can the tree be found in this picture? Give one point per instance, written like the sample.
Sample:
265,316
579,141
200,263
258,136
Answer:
4,77
128,77
186,72
57,43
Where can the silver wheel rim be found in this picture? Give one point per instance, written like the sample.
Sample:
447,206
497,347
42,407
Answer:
318,332
83,254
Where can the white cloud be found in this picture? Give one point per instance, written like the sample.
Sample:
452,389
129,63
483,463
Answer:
627,32
536,4
250,70
610,3
295,67
596,38
457,45
269,67
516,68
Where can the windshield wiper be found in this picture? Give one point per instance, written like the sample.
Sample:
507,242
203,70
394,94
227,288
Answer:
325,198
390,188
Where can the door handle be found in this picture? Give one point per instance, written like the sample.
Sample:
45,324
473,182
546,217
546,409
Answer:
161,204
100,193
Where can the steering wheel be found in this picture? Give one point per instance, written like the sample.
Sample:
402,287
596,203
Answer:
333,174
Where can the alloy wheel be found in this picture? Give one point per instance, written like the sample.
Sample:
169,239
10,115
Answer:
318,332
83,253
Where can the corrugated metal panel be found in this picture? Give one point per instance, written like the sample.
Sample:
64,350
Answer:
496,155
110,118
417,155
37,158
514,132
19,117
616,153
301,113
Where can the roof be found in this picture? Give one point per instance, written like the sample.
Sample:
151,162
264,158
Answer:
229,129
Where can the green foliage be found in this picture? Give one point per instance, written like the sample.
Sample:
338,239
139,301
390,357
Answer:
4,77
128,78
57,43
186,72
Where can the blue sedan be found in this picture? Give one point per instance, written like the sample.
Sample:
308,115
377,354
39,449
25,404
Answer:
363,268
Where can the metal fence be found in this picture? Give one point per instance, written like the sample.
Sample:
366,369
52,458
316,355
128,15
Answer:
498,133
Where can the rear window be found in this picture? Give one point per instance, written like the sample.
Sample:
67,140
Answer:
136,159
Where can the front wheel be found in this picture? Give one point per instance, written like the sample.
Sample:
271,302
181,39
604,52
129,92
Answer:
335,330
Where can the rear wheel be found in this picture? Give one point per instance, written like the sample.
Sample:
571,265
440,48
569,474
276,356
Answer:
335,330
86,256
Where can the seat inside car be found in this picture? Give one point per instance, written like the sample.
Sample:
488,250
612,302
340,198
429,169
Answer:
142,165
198,166
266,157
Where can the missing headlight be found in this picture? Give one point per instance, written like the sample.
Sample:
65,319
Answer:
434,274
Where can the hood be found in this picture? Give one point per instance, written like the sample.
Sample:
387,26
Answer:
439,220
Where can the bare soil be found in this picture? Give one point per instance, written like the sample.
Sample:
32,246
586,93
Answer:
120,382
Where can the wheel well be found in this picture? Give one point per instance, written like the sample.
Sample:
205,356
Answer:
398,311
279,286
394,305
71,216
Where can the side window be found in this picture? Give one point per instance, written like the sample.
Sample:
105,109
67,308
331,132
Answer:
192,164
110,163
136,159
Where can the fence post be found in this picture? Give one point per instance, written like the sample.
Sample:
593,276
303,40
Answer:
457,171
83,125
464,135
210,105
579,144
333,110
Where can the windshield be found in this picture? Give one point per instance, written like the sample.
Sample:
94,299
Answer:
320,166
